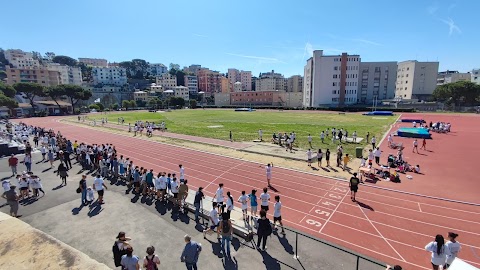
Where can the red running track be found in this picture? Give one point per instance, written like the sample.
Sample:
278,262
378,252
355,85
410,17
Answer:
390,226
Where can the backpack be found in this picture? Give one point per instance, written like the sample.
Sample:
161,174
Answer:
151,265
117,254
225,227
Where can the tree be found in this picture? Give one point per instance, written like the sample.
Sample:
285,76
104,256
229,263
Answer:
64,60
3,60
7,102
461,93
115,107
140,103
173,66
3,75
126,104
7,90
153,103
31,91
55,93
76,93
100,106
94,106
193,103
86,72
177,102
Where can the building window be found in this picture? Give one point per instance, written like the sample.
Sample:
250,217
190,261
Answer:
335,68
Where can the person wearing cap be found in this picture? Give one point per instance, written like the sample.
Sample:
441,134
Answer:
12,163
353,184
12,199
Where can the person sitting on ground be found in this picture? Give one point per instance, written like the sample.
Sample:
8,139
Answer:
417,168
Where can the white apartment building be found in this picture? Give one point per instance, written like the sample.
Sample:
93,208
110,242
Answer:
416,80
451,76
271,81
191,81
109,76
237,87
181,91
156,69
167,80
94,62
68,75
376,80
21,59
475,76
295,83
331,79
244,77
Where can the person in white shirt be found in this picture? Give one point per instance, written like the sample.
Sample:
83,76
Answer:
243,199
43,150
309,158
6,185
182,173
454,247
260,134
174,189
439,251
374,142
277,213
322,136
354,136
370,156
309,139
229,204
268,170
264,198
415,146
377,153
390,140
160,185
219,196
99,186
213,221
90,195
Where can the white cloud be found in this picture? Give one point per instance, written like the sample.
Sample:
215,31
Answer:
308,50
452,27
261,58
199,35
366,41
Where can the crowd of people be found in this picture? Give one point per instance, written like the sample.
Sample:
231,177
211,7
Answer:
103,161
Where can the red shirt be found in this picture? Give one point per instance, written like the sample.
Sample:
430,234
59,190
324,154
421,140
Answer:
13,161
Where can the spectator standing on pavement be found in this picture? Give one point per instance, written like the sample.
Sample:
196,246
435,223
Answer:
199,196
454,247
277,213
264,230
190,253
99,186
12,200
151,261
219,196
183,194
27,160
119,248
226,229
50,157
229,204
67,160
130,261
12,163
82,185
62,172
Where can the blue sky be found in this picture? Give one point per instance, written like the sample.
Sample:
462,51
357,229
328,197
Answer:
249,35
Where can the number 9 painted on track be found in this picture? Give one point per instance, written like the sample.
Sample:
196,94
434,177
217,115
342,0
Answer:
313,222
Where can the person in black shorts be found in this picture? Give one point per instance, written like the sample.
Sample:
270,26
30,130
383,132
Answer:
354,181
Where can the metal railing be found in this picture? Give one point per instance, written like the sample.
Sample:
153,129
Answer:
358,258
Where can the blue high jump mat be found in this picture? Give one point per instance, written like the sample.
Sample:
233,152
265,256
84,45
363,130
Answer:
414,133
386,113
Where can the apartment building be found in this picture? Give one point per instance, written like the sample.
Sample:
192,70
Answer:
167,80
244,77
237,87
40,75
21,59
156,69
376,81
475,76
94,62
271,81
451,76
416,80
295,83
263,98
68,75
181,91
212,82
109,76
330,79
192,69
191,81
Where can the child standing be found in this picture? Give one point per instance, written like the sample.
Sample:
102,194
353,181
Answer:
253,203
243,199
